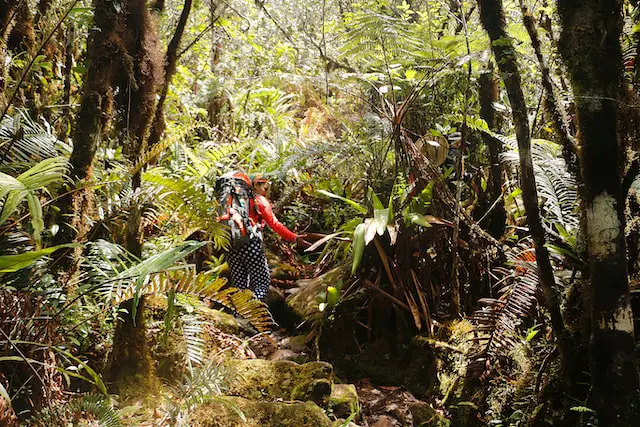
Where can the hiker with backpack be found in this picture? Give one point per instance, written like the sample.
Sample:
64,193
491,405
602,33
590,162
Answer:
245,210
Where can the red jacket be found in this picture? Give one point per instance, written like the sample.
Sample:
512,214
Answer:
263,213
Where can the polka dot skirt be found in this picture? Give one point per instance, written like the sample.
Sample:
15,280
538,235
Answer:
249,268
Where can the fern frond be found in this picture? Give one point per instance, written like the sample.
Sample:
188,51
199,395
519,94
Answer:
154,152
371,31
198,386
99,407
205,285
554,183
194,343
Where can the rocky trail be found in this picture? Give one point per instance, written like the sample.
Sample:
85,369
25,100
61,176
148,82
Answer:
274,378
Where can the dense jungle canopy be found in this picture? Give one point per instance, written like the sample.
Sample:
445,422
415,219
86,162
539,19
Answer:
465,173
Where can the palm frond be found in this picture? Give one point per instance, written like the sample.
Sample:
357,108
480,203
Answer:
22,140
205,285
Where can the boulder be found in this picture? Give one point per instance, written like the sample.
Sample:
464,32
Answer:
279,379
304,301
344,400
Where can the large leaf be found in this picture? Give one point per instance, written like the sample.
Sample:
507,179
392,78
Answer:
381,218
370,229
377,204
357,206
325,239
358,247
13,191
11,263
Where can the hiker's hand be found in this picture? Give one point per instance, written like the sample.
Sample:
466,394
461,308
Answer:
300,241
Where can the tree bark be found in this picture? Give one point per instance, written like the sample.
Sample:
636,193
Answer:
130,362
492,17
489,93
590,46
171,59
103,55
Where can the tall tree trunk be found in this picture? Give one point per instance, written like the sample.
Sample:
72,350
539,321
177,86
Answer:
171,58
591,49
489,94
130,365
492,17
95,108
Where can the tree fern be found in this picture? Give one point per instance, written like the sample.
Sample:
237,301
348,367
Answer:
371,31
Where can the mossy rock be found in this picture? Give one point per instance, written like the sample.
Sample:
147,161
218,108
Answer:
424,415
223,321
281,379
344,400
224,412
305,301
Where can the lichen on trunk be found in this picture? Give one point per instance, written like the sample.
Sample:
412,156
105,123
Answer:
590,45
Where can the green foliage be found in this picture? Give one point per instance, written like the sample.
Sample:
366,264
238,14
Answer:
556,187
25,187
24,141
12,263
87,407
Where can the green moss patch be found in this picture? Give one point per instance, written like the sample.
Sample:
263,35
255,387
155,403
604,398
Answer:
237,411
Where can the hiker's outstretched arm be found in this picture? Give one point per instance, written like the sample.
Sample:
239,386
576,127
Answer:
264,209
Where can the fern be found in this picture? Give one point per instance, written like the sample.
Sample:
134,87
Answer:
192,331
199,386
205,285
553,182
93,408
371,31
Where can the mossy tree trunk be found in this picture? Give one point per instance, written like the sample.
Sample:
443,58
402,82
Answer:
493,20
7,14
591,49
103,57
130,365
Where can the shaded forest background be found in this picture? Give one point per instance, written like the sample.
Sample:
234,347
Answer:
473,165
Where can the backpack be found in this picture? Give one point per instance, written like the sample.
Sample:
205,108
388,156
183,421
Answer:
236,199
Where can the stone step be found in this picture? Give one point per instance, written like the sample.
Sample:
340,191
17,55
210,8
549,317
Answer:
233,411
269,380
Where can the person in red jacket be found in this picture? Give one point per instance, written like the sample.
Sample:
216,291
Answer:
249,268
